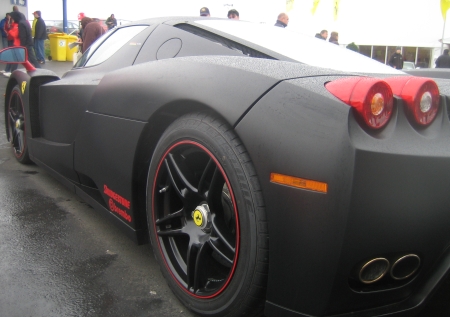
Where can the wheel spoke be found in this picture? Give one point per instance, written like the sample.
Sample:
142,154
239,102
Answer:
19,147
222,233
191,261
12,115
215,245
206,176
214,194
172,180
171,233
199,269
179,173
177,214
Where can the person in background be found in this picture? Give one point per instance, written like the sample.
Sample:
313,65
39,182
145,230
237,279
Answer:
40,37
3,33
443,61
282,20
7,27
233,14
13,33
91,32
111,22
396,59
33,26
25,37
322,35
16,9
334,38
204,12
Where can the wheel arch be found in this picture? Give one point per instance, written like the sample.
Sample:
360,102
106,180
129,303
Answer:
29,85
9,87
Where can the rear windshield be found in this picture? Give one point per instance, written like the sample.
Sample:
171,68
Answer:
302,48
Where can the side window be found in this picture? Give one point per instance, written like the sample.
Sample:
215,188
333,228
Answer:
103,49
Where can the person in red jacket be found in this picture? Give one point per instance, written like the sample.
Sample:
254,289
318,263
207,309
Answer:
13,37
6,28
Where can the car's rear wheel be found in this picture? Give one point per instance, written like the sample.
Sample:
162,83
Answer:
206,218
16,127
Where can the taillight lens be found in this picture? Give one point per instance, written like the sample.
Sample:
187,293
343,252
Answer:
421,96
371,97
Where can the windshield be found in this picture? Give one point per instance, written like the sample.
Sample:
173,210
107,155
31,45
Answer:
305,49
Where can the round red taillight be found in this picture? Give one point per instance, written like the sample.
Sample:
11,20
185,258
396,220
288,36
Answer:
421,96
371,97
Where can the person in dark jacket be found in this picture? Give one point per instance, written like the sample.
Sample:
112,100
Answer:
40,36
282,20
334,38
25,37
322,35
111,22
396,59
91,32
443,61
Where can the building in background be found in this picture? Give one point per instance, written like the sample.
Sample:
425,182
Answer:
7,5
423,55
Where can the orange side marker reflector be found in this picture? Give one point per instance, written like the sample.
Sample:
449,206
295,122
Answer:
299,182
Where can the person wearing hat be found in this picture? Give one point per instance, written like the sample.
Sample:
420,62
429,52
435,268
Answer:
40,35
396,59
204,12
233,14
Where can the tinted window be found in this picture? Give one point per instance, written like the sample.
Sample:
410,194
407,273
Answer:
103,49
299,47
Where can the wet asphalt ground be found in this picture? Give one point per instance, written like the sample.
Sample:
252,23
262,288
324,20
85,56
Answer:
59,257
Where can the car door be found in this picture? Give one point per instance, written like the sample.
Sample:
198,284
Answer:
62,103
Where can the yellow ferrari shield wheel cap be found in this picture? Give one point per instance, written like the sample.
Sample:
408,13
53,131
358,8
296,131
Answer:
198,217
202,217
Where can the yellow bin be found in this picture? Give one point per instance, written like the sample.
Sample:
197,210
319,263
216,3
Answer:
58,46
70,52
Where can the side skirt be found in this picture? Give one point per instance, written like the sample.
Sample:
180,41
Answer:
138,236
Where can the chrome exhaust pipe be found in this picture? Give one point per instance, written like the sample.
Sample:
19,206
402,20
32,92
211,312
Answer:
373,270
405,266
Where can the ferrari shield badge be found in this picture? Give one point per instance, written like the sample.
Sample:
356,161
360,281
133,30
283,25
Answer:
24,86
198,218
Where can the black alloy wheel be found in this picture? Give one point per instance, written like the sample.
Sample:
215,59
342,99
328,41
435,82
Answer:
16,127
201,222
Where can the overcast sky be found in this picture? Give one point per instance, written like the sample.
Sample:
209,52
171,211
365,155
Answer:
397,22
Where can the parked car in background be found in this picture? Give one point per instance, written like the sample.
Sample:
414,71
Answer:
409,65
57,27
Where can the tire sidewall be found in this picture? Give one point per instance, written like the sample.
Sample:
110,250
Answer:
219,145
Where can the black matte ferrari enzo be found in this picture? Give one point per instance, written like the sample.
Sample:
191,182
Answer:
272,172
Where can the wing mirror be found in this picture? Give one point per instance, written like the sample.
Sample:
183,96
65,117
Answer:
16,55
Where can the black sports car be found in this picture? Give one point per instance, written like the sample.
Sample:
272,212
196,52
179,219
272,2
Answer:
272,172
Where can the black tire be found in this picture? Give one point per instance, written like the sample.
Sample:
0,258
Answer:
16,127
216,265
